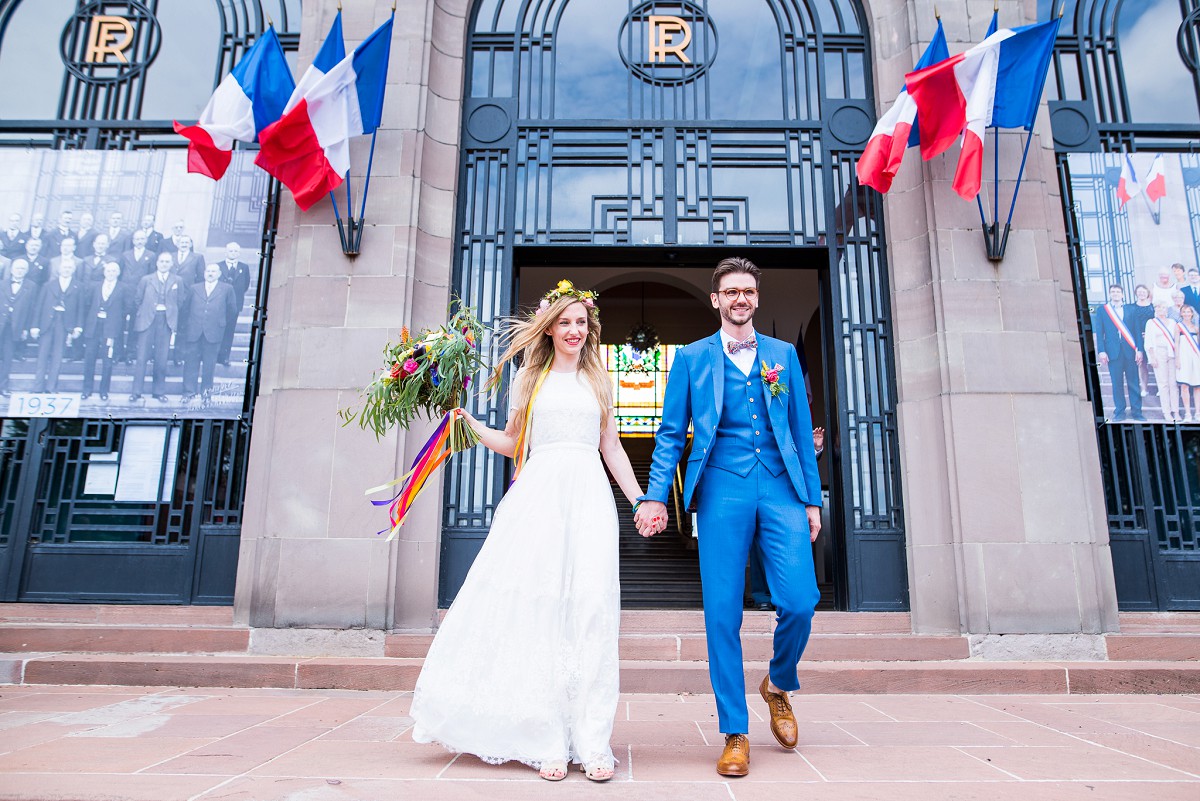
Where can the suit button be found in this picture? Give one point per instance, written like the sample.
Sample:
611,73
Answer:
756,450
756,433
752,400
755,416
747,383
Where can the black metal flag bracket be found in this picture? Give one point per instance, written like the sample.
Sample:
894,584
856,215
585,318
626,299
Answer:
995,240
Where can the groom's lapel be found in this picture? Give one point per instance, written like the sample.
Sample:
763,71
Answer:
718,371
772,354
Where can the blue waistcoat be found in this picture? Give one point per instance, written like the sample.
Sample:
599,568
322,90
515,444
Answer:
744,436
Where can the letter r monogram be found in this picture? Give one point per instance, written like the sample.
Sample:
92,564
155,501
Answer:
662,38
108,36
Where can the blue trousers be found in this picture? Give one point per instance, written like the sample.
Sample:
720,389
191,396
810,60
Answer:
733,512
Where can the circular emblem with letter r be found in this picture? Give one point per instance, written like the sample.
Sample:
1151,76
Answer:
667,41
109,41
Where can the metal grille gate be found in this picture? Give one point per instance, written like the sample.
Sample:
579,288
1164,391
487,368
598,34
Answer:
565,145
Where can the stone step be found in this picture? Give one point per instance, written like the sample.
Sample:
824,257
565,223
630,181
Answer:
958,677
755,646
123,639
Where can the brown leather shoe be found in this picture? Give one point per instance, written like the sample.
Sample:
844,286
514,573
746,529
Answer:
735,759
783,722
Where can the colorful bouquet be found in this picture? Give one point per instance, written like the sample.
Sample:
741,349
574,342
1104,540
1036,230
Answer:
426,375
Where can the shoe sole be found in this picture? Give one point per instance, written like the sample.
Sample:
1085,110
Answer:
734,773
762,691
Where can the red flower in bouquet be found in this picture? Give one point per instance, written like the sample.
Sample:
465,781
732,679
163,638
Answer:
770,377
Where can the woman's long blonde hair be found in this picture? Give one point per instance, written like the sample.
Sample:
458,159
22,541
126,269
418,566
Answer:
527,337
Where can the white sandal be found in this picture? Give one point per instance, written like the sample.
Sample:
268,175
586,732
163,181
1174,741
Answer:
553,771
598,772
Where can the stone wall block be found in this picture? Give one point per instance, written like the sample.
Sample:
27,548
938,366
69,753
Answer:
446,76
442,119
300,465
360,461
319,302
439,164
927,487
1011,362
985,468
1030,306
437,211
434,256
336,358
402,109
377,301
909,263
416,596
1031,588
338,566
913,314
970,306
449,32
375,251
935,610
918,368
1053,507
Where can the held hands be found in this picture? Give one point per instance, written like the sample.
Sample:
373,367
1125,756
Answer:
651,518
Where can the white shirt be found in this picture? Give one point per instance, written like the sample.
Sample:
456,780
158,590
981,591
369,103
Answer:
208,288
64,283
106,289
744,359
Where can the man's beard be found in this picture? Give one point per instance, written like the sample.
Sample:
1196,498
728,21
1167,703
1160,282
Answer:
727,313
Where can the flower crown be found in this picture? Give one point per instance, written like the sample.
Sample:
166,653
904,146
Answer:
564,289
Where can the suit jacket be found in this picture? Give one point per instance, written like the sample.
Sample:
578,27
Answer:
119,242
134,269
207,315
39,269
13,246
1108,337
1191,297
238,278
92,267
154,242
84,240
51,240
72,301
147,298
191,269
112,325
16,310
695,394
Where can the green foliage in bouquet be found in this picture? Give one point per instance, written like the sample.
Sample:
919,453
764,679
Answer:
424,375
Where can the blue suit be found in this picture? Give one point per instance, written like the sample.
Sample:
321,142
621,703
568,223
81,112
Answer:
1122,360
751,472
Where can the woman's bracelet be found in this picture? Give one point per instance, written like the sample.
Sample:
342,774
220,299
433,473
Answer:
636,504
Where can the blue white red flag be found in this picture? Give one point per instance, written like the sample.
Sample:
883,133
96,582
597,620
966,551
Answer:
996,83
1156,181
332,51
308,149
250,98
1127,185
897,129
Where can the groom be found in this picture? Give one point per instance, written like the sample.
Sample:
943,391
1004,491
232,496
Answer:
753,476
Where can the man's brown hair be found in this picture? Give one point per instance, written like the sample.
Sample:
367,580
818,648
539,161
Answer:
734,264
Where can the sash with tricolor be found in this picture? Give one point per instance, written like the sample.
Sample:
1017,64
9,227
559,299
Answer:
436,450
1190,337
1121,327
1166,332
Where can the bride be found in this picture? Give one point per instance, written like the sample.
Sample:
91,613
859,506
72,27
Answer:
524,666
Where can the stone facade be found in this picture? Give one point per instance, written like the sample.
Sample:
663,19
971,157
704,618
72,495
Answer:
1004,511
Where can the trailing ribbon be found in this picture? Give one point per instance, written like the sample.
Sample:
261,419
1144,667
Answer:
1122,329
433,453
521,452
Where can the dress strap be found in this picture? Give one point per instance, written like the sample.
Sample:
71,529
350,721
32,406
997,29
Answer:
521,453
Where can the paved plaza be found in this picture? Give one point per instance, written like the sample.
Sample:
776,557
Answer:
155,744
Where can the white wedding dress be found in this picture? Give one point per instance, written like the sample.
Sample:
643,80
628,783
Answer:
524,666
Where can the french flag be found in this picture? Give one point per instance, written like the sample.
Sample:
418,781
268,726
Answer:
997,83
897,129
1127,185
332,51
308,149
247,100
1156,181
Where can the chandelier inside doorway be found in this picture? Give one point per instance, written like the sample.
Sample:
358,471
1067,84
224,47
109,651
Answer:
642,337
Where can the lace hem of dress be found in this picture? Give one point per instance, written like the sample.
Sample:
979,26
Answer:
596,761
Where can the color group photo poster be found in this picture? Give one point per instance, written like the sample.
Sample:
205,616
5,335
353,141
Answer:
1138,218
127,286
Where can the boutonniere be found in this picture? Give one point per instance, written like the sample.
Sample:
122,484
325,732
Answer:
770,377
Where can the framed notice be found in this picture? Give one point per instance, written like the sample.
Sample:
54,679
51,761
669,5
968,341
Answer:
146,467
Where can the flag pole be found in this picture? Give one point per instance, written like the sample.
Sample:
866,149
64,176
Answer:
362,211
1013,204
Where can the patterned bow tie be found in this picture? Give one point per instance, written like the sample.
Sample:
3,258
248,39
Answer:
748,344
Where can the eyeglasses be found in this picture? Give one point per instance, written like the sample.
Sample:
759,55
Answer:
731,295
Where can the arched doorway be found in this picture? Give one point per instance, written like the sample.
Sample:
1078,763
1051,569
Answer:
582,143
